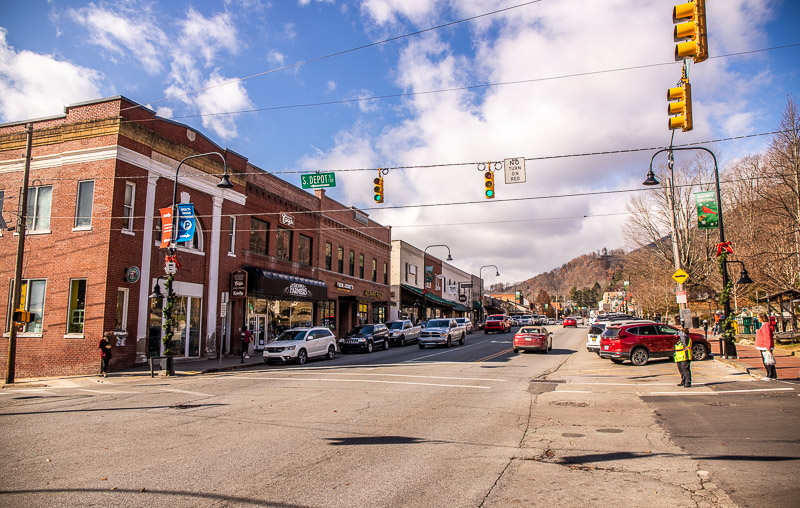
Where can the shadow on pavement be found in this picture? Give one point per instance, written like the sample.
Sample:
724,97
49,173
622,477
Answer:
120,495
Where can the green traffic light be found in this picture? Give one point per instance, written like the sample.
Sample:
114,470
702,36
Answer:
489,193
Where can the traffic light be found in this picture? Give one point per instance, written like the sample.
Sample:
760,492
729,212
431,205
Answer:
379,189
489,184
23,316
694,30
682,107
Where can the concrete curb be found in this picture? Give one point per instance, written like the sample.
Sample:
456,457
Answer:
739,366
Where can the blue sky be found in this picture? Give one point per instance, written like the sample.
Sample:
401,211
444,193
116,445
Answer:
57,52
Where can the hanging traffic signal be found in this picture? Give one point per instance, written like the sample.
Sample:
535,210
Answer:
23,316
379,189
682,107
696,47
489,183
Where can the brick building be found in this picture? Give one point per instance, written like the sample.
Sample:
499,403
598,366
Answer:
99,175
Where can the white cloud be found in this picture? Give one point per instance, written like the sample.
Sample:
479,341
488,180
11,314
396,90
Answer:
207,36
34,85
219,99
331,86
387,11
276,57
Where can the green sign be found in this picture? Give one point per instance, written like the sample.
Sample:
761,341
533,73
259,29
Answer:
707,210
318,180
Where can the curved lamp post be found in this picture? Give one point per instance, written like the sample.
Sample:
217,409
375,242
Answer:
425,274
480,276
225,183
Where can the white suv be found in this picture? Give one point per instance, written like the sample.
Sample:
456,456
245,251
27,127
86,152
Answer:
300,344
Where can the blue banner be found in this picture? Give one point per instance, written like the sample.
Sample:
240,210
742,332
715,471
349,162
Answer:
185,222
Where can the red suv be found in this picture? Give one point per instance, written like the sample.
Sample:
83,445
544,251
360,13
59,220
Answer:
639,342
497,323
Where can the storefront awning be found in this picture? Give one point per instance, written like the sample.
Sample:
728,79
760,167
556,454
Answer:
265,284
430,296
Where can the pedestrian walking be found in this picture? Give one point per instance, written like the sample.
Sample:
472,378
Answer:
247,338
717,318
683,357
765,343
105,352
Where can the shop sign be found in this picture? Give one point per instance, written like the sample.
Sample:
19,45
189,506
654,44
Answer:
287,220
132,274
239,284
373,294
344,286
297,289
462,298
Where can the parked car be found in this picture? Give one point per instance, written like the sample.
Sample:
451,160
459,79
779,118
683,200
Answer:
402,331
597,329
533,338
300,344
497,323
365,338
466,322
525,320
570,321
639,342
444,331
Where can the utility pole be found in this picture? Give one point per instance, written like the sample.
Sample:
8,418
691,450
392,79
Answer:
22,218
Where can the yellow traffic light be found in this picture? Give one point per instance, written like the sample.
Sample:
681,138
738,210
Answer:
23,316
695,30
489,183
682,107
378,189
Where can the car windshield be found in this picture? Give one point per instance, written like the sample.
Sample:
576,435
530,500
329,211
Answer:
362,329
596,330
397,325
611,332
529,329
438,323
461,320
494,318
292,335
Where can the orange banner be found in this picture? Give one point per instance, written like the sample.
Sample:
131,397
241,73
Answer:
166,227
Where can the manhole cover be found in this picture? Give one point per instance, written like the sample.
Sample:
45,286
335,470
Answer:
610,431
569,403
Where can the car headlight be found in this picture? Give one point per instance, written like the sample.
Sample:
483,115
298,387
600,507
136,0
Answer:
290,348
361,339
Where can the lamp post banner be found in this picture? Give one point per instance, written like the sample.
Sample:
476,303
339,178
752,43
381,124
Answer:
186,222
707,210
166,227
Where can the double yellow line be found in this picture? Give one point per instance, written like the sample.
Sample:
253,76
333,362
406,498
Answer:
494,355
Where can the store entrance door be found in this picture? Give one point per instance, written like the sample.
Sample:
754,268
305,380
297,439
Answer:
258,325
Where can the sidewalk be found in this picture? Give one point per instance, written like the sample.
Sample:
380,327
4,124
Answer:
786,364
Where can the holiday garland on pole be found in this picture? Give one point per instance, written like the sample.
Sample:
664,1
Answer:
169,320
723,249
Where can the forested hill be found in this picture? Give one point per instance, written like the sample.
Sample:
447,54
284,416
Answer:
582,271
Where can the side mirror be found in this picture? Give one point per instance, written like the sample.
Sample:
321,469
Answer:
551,333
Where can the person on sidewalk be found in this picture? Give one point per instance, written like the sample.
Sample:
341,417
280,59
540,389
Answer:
105,352
683,357
247,338
765,343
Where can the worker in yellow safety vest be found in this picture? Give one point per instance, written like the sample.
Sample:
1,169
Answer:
683,357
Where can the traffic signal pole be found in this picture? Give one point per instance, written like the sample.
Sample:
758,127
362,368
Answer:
22,218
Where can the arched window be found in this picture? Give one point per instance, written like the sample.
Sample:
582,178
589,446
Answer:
196,244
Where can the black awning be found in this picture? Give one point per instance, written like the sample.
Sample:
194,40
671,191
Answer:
265,284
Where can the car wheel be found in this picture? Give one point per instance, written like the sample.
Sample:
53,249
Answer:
639,356
516,350
461,342
699,352
486,332
370,347
401,341
421,345
618,361
266,361
386,344
331,352
302,356
449,344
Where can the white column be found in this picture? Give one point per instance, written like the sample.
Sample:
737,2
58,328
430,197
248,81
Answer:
145,284
213,275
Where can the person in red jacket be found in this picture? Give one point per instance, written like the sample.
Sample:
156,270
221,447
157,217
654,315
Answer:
765,342
105,353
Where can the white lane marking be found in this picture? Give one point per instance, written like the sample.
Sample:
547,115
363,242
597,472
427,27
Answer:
186,392
725,392
294,371
286,378
629,384
502,342
442,352
28,390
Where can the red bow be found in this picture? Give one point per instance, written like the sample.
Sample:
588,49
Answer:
726,246
174,259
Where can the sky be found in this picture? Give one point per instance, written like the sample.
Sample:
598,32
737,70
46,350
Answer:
430,89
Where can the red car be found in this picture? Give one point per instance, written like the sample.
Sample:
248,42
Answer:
497,323
533,338
639,342
570,321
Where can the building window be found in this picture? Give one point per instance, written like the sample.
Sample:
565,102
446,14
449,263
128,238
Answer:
328,255
283,244
341,259
196,243
77,305
361,266
352,263
31,299
363,315
127,207
304,250
39,201
374,270
385,273
378,314
121,317
259,231
83,207
232,236
408,267
328,310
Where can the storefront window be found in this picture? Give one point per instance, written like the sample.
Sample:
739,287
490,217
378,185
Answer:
363,315
329,314
187,313
378,314
77,305
285,314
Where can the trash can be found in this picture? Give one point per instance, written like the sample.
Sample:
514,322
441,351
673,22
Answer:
747,325
695,321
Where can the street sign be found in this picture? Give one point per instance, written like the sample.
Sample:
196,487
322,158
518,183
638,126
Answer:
170,267
680,296
318,180
680,276
186,222
223,309
515,170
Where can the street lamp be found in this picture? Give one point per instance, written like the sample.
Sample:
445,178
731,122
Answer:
730,347
425,275
224,183
480,276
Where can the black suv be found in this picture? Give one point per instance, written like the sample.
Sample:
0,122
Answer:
365,338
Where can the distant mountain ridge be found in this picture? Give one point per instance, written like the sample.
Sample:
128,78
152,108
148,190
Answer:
580,272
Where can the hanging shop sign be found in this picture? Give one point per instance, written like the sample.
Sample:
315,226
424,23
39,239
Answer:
239,284
707,210
287,220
